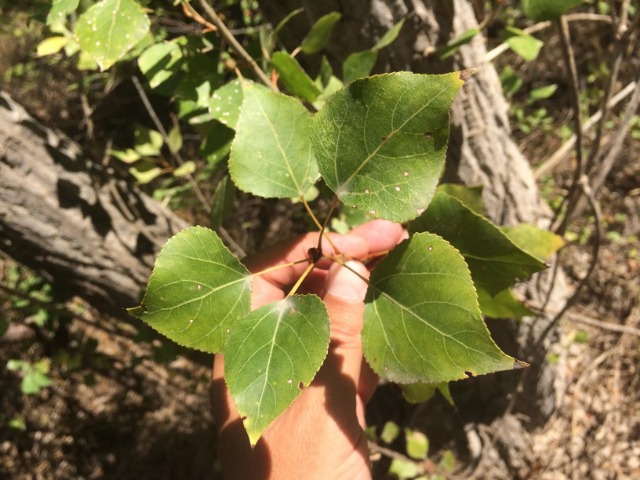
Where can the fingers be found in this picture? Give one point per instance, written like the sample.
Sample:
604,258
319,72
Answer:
297,249
380,235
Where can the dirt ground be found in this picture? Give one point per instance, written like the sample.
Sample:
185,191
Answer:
125,405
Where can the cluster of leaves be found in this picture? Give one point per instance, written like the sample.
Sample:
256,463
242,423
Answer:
378,143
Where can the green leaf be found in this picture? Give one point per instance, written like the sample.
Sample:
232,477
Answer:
51,46
160,62
452,47
187,168
271,354
127,156
226,102
421,392
494,260
298,83
60,9
174,139
502,305
403,469
525,45
541,10
541,93
222,201
216,141
380,142
147,142
538,242
320,33
358,65
286,20
196,292
390,432
422,322
389,37
417,444
111,28
470,196
279,161
33,382
145,171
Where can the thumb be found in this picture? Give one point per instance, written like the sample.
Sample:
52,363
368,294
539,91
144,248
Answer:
345,291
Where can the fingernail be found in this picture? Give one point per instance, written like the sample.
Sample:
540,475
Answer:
345,284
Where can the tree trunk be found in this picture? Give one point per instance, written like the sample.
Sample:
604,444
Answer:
72,221
481,152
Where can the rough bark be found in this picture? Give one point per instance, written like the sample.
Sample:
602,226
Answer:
63,215
481,151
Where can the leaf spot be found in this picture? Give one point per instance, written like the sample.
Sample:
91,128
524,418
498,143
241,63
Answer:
405,173
430,248
199,287
372,211
367,191
292,311
300,385
354,206
397,188
469,374
420,211
290,381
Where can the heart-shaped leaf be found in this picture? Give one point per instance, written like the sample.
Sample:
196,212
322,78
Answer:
110,28
271,354
422,323
540,243
502,305
380,142
278,162
197,290
494,260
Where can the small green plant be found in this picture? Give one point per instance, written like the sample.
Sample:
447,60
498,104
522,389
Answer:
377,144
35,376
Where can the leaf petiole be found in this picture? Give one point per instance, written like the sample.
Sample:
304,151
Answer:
308,270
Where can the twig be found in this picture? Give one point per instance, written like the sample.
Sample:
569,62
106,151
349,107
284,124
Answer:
613,327
165,137
576,17
549,164
570,61
239,49
618,140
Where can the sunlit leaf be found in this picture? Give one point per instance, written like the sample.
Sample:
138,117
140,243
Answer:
271,354
298,83
51,46
159,62
147,142
539,242
389,37
225,103
187,168
110,28
470,196
320,33
525,45
145,171
174,139
494,260
60,9
422,322
279,162
380,142
196,292
417,444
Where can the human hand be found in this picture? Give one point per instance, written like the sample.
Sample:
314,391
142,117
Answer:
321,435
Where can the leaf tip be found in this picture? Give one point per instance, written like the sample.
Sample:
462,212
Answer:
468,73
518,364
